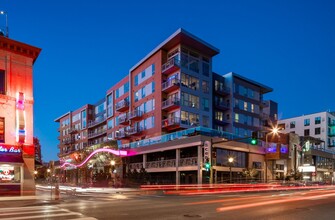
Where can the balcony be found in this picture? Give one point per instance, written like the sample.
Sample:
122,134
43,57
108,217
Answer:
123,119
171,123
171,104
170,85
135,115
121,134
122,106
331,134
221,121
96,122
222,105
73,130
134,130
69,141
222,90
96,134
170,66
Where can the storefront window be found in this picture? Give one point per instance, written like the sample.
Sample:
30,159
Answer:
10,174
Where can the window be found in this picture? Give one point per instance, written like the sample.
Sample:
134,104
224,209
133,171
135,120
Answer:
153,87
153,69
205,86
292,124
317,131
126,87
83,119
306,132
236,117
117,93
136,80
143,92
2,82
205,121
110,124
2,130
143,74
205,104
136,96
317,120
245,106
307,122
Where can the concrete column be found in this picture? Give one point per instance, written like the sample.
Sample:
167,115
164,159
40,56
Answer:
144,161
177,167
200,162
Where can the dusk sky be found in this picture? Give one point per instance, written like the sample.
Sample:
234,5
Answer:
88,46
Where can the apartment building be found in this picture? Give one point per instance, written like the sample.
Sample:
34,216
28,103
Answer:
172,89
16,117
317,134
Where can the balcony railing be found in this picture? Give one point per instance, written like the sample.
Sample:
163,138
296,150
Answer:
161,164
97,133
96,122
171,103
133,130
73,130
122,105
170,122
170,85
123,119
170,66
222,90
188,161
136,114
121,134
222,105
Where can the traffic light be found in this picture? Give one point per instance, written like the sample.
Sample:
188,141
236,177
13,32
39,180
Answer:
254,138
207,165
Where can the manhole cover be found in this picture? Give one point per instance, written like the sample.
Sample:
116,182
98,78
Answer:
192,216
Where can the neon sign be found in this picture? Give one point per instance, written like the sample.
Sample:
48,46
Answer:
115,152
9,149
20,118
6,173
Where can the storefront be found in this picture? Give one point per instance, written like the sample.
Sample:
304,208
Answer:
11,170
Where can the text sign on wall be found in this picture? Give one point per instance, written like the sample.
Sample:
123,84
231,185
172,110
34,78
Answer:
9,149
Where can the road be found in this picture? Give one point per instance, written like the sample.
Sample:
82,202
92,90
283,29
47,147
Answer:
298,204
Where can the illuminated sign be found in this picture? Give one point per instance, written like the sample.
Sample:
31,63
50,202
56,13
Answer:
20,118
306,169
115,152
272,148
9,149
6,173
283,149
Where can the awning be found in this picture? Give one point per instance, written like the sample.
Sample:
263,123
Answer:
10,158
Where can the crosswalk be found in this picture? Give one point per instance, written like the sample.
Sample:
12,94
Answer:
41,212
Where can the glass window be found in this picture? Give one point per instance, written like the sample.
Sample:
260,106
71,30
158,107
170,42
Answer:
153,69
237,116
306,132
205,69
292,124
153,87
126,87
205,121
143,74
83,120
110,124
136,80
317,120
307,122
143,92
10,174
317,131
136,96
205,86
205,104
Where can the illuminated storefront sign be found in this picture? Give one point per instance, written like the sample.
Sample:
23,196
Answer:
6,173
20,118
9,149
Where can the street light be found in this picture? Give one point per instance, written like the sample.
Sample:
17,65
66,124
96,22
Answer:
273,131
230,162
112,162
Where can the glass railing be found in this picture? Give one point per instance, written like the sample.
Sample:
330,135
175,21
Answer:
183,134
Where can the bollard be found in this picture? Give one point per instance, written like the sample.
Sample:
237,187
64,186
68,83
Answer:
57,192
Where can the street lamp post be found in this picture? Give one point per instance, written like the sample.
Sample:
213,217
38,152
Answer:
274,131
230,162
112,171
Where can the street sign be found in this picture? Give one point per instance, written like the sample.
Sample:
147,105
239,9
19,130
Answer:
207,151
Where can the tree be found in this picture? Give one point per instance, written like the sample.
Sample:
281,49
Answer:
250,173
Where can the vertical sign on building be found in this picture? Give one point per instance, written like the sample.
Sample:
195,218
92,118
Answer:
207,151
20,119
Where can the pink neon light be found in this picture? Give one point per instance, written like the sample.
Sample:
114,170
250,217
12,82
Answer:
116,152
